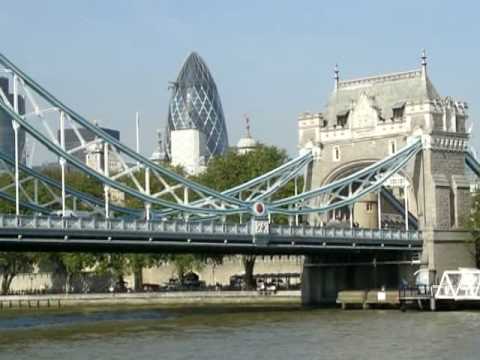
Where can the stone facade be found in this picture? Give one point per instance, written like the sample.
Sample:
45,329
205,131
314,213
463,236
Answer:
368,119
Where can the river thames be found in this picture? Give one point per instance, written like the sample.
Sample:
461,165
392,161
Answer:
227,332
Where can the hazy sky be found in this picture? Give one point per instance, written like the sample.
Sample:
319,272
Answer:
270,59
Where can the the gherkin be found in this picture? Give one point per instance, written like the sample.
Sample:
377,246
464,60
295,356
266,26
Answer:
195,104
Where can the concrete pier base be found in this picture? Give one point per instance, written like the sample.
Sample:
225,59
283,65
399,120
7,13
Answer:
447,250
324,277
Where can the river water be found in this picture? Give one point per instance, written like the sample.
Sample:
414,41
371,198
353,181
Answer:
226,332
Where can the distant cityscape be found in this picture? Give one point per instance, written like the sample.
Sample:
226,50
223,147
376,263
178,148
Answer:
195,132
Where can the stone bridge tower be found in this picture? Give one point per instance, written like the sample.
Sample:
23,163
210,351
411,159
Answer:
367,119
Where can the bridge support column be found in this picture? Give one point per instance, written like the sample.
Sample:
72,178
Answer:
447,250
324,277
444,201
320,283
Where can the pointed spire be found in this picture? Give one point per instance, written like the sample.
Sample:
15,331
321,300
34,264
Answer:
336,76
159,140
247,125
424,63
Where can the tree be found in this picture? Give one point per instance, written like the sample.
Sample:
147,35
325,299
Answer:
475,226
75,264
137,262
12,264
248,262
7,207
231,169
185,263
114,265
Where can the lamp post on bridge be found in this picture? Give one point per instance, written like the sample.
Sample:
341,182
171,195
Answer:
405,194
16,127
379,208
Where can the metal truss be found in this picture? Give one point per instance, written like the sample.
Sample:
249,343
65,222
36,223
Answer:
463,284
255,189
264,186
472,163
163,192
31,184
26,205
397,205
346,191
131,174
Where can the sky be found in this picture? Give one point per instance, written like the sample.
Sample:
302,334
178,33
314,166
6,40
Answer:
271,59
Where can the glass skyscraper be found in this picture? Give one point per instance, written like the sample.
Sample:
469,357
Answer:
195,104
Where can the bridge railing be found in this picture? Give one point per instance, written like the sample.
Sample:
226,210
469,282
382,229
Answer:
346,233
96,224
185,228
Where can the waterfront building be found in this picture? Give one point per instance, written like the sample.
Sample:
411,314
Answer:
93,154
73,143
196,128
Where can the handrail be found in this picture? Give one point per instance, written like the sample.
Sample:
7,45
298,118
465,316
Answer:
178,227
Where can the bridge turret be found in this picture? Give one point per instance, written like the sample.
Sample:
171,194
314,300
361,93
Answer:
424,64
368,119
336,76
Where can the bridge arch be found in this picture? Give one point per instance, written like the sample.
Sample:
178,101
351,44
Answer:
369,202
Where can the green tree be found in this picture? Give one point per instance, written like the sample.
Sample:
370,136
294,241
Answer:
75,265
7,207
114,265
12,264
135,263
185,263
475,227
119,265
231,169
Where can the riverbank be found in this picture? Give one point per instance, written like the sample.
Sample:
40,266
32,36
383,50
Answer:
163,298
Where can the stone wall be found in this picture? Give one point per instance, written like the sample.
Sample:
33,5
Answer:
48,282
231,266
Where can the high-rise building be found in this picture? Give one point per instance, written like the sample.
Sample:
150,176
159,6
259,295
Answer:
7,138
195,116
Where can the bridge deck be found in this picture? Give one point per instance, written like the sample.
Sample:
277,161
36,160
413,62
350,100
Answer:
82,234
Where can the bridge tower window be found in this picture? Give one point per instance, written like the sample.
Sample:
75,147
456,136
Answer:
452,209
398,111
392,147
336,153
342,118
369,207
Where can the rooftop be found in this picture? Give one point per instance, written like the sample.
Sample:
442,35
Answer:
385,92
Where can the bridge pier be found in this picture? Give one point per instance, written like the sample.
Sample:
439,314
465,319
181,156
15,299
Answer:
324,277
444,206
447,250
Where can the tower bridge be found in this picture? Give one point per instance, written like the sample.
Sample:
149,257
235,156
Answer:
369,119
384,168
